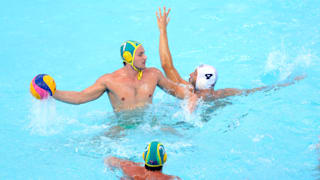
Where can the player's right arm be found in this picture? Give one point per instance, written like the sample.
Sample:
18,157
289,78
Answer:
164,51
223,93
89,94
119,163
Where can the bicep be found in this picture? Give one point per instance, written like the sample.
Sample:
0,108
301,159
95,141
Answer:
94,91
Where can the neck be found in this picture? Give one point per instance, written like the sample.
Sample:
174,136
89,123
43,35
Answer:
129,69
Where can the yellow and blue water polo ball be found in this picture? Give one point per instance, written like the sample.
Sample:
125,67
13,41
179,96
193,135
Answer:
42,86
154,155
128,49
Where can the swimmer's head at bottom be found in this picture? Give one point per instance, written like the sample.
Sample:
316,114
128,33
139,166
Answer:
204,77
154,156
153,168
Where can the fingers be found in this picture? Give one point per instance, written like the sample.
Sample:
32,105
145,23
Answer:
163,16
160,12
165,12
168,11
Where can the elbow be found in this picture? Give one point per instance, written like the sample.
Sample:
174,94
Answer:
77,103
165,65
167,69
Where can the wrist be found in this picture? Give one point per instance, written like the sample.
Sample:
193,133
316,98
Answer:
163,31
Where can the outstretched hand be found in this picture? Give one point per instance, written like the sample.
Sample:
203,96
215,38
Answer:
162,18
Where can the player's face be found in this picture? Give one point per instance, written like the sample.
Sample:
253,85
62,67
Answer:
193,77
140,58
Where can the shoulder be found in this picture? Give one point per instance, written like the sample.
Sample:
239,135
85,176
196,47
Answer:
109,77
153,70
104,78
162,176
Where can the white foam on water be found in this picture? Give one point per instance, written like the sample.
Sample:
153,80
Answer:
44,119
186,116
280,65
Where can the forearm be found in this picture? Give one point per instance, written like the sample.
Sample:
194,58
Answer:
166,59
192,102
249,91
164,51
113,162
183,93
71,97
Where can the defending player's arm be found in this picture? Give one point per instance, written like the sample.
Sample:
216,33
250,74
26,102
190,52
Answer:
223,93
164,51
177,90
89,94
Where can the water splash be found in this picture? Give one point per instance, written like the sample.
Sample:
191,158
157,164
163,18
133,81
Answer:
44,119
280,66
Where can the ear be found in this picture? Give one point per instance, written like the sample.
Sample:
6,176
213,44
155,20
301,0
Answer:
164,158
143,156
127,56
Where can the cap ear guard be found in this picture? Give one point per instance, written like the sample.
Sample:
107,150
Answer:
127,56
164,158
162,152
143,157
144,154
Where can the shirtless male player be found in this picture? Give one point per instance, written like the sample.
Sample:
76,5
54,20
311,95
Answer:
154,158
130,87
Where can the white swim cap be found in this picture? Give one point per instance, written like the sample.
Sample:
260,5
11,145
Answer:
207,77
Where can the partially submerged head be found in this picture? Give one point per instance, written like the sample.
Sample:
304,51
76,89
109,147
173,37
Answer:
132,53
204,77
154,156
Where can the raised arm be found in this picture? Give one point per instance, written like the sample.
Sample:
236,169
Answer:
164,51
89,94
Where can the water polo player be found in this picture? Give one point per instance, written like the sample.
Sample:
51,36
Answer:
129,87
154,158
203,80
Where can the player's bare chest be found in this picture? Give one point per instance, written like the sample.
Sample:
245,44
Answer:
134,87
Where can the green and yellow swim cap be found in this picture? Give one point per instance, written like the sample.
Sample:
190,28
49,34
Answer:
128,51
154,155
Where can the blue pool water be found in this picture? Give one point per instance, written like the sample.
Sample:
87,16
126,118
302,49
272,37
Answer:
266,135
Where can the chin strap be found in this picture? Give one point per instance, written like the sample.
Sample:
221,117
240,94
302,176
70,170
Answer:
136,69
